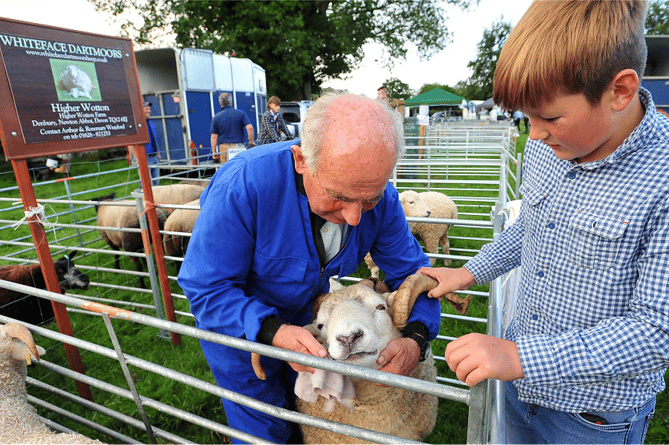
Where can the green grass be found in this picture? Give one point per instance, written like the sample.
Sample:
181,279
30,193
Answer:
144,342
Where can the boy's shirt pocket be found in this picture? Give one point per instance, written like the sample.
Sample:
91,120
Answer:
594,240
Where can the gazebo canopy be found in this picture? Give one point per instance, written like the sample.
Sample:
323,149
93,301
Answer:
435,96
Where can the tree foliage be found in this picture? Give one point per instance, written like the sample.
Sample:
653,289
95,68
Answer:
480,84
398,89
300,44
657,20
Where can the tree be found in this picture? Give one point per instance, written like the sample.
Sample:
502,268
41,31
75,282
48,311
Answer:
480,84
398,89
657,20
299,43
430,86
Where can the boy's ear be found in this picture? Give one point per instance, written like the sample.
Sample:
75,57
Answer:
623,88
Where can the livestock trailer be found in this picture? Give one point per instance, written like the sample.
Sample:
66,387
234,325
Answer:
656,76
184,85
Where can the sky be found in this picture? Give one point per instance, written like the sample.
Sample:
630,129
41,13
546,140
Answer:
447,67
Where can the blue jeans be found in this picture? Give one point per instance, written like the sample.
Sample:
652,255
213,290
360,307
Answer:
528,423
152,160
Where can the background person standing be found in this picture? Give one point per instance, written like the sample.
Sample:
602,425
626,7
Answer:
227,129
272,123
152,151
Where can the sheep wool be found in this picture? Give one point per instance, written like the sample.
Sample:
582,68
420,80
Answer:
179,194
19,422
181,220
355,323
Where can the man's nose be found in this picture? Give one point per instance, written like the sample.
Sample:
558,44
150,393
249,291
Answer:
352,213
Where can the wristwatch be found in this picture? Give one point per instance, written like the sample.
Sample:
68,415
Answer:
423,343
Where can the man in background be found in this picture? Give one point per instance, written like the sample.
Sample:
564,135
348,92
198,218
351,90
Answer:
227,129
152,151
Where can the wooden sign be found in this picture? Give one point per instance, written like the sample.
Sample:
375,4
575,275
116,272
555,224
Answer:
64,91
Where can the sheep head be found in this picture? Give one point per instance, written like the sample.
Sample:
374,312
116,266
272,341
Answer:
413,204
21,345
357,322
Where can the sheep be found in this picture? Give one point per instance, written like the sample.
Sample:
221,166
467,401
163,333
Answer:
39,310
19,423
178,194
76,81
181,220
432,235
412,206
123,217
425,204
355,324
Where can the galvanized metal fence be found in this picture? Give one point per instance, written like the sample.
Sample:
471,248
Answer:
446,159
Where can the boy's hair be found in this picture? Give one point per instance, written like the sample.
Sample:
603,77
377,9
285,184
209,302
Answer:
574,46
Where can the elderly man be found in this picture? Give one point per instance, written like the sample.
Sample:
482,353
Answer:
276,223
227,129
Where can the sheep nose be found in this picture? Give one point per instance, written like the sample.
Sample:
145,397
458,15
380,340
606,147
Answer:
348,340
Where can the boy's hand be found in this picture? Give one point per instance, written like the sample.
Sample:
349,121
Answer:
476,357
449,279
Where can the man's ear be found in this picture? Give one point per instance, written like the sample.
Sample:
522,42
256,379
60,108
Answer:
298,157
623,88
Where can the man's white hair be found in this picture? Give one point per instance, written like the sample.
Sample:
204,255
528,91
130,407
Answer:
319,118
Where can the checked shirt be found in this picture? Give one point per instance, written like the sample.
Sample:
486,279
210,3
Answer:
592,321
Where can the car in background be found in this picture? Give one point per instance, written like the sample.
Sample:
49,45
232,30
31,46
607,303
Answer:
293,114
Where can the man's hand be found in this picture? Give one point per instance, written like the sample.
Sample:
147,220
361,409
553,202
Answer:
399,357
449,279
298,339
476,357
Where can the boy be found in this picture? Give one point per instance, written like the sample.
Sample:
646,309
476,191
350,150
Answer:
588,346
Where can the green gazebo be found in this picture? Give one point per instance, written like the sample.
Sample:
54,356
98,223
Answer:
435,96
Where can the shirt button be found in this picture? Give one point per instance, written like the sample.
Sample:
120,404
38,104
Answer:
325,230
571,175
551,225
540,274
535,317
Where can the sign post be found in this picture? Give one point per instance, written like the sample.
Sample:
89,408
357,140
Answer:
64,91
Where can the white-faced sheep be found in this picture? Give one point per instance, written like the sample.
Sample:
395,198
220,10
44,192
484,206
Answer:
425,204
29,308
76,82
179,194
181,220
124,217
432,235
355,324
19,423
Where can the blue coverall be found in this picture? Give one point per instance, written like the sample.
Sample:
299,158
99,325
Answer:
252,255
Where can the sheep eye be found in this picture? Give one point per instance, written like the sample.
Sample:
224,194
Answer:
320,326
380,307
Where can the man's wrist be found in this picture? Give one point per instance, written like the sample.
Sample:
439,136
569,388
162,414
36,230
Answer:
419,333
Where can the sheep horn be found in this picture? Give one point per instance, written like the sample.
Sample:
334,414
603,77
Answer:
406,296
15,330
257,367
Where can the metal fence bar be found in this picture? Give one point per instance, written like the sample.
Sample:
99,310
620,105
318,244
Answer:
128,377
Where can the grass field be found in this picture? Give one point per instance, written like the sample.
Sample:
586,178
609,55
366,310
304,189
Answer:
145,343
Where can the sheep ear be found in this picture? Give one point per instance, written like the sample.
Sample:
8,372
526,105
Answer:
19,352
378,286
317,305
20,332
